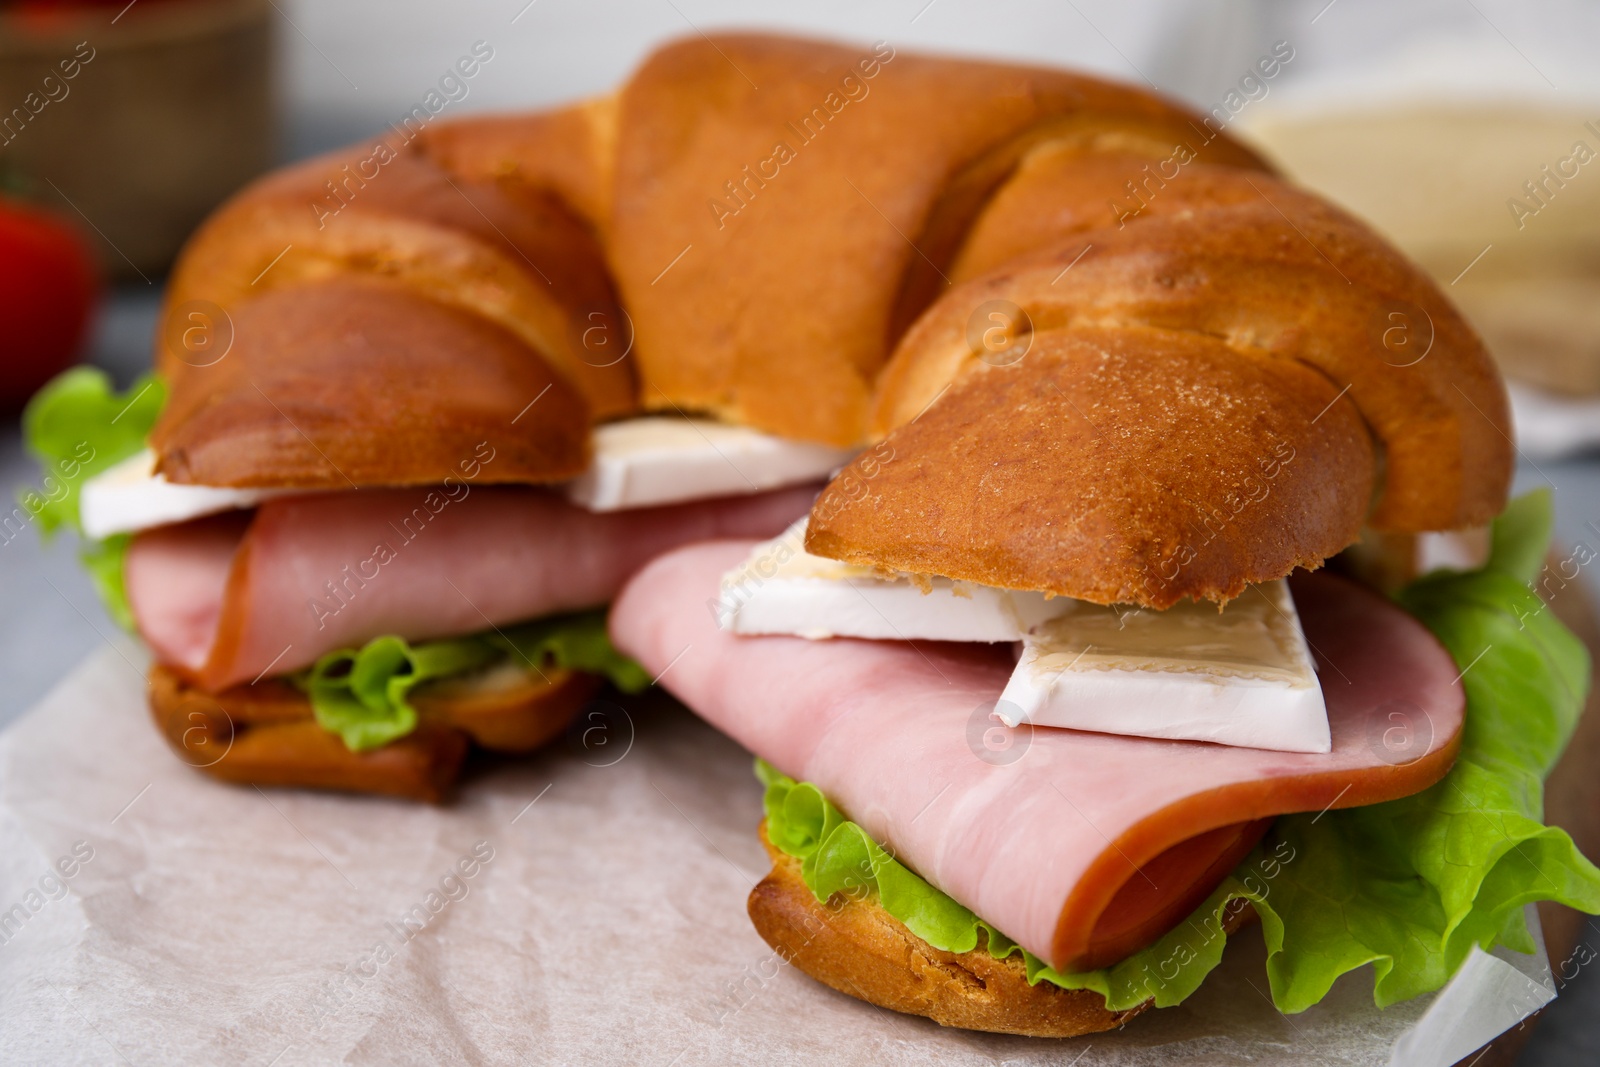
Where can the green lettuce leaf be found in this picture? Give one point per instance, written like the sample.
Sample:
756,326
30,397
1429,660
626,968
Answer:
104,560
1520,537
78,426
1409,886
572,642
363,694
360,694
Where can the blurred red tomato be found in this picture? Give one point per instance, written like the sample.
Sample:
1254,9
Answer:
47,289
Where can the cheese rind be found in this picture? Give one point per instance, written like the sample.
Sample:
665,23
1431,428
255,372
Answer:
131,496
783,589
1242,676
652,460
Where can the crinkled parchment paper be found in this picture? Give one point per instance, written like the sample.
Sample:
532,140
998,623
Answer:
585,905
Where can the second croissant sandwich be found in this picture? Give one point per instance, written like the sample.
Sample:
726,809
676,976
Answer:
1046,699
401,446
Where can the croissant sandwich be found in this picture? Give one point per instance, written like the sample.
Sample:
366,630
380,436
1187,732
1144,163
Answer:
401,444
1051,691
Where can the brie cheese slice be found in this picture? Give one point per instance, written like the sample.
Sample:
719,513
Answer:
1242,676
651,460
783,589
132,496
638,463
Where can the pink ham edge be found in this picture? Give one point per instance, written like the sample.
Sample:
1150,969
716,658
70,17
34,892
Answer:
499,555
174,576
888,731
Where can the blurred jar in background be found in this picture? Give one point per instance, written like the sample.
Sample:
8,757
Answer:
1448,183
1475,146
136,119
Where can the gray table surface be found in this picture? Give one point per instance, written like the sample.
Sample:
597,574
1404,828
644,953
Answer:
52,618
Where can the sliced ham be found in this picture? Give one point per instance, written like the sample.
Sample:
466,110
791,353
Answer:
1044,846
227,599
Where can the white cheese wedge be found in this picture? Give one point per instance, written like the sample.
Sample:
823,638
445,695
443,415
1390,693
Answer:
1243,676
654,460
783,589
132,496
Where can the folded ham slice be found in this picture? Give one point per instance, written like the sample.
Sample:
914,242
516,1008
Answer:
1042,846
226,599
